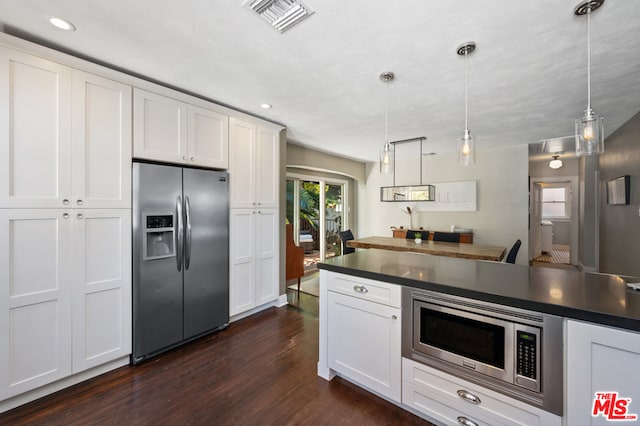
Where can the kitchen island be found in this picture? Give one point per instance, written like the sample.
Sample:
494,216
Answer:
361,318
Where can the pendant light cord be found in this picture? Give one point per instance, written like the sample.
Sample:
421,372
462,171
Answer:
589,58
466,126
386,117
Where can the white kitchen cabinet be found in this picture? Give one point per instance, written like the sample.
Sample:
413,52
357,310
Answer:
447,399
254,164
600,359
35,304
101,293
35,131
79,152
253,248
166,129
360,332
66,293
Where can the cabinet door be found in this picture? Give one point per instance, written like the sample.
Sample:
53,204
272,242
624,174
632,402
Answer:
267,246
364,343
242,287
35,131
208,138
101,142
600,359
242,163
159,127
268,160
101,286
35,306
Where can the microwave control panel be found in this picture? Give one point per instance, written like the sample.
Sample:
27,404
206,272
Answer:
527,359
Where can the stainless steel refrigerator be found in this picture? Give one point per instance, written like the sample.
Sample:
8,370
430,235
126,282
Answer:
180,256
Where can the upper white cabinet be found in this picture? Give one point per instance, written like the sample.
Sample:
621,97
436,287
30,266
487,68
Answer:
65,138
254,159
601,360
101,135
166,129
35,131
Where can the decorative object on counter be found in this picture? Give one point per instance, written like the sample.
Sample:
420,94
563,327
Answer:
556,163
408,210
418,238
590,127
466,144
387,157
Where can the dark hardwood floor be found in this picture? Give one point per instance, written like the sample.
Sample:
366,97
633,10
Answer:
259,371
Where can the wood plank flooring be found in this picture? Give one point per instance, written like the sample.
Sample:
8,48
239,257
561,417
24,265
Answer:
259,371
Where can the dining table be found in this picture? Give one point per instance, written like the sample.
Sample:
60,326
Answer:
437,248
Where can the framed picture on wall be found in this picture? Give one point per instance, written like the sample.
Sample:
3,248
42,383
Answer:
618,190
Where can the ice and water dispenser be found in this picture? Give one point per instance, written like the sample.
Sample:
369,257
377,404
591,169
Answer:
158,236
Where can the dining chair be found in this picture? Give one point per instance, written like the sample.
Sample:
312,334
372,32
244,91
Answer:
449,237
411,235
344,237
511,257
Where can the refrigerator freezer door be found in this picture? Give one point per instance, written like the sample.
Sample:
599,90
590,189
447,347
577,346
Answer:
206,279
157,282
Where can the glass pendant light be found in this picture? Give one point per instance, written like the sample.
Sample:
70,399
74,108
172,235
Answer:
387,160
466,144
590,127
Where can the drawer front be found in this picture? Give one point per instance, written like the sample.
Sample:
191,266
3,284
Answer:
451,391
362,288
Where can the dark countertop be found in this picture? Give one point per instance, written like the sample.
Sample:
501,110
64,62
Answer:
597,298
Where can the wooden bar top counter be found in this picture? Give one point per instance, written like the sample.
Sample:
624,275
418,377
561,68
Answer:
438,248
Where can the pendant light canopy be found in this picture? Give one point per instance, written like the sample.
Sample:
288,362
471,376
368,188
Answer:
466,144
556,163
387,160
590,127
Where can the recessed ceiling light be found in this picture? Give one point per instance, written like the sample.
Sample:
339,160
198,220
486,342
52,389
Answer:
63,24
266,106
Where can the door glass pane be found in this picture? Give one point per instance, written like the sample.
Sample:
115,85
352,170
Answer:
310,222
290,200
334,213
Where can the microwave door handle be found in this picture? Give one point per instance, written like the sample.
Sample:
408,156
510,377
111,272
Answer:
187,238
179,233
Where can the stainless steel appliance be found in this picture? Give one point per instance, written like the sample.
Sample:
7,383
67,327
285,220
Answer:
512,351
180,256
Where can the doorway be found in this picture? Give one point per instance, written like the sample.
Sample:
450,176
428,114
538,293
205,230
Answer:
316,207
554,225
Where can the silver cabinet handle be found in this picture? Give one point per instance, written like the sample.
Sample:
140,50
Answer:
79,202
79,215
259,212
394,317
65,201
193,158
360,289
65,215
184,157
468,396
465,421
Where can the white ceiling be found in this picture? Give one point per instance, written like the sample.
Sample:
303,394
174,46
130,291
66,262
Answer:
527,77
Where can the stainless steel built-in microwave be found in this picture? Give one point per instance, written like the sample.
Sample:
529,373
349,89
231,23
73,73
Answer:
513,351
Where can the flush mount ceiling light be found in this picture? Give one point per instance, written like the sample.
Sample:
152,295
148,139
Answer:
466,148
555,163
590,127
280,14
387,160
63,24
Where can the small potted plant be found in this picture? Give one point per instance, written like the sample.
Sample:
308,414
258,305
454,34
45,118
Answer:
418,238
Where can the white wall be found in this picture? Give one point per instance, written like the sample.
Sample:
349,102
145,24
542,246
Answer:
502,198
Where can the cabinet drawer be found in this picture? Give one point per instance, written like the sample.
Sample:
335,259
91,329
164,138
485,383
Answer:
362,288
432,392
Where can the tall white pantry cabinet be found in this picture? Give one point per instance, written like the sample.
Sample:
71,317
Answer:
254,167
65,221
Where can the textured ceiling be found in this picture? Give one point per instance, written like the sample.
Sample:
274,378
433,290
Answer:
527,77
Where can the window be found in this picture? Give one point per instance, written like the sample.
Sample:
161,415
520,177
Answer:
555,202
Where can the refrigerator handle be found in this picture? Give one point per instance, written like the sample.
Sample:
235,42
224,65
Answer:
187,238
179,233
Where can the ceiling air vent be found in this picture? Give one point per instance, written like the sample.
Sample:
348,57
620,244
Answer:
280,14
